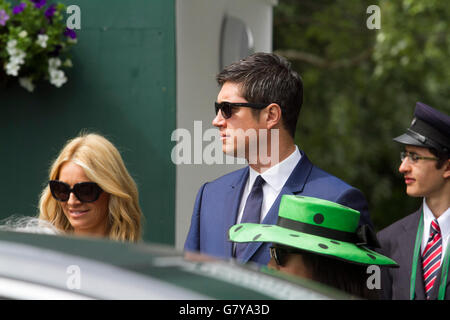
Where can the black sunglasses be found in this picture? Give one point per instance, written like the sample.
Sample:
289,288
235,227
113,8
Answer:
279,254
84,191
227,107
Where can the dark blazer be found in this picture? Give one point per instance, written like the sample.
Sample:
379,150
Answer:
397,242
217,204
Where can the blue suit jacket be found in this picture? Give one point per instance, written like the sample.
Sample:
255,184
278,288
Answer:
217,204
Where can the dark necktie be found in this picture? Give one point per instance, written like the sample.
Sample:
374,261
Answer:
252,211
431,258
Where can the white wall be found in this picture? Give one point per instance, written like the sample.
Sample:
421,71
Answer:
198,43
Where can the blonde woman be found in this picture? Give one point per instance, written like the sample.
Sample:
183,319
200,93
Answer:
91,193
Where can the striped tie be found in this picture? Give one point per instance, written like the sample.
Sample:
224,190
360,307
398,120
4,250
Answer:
431,258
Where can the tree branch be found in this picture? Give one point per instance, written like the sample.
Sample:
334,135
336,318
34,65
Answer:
320,62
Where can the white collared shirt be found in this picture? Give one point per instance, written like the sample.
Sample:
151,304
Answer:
275,178
444,225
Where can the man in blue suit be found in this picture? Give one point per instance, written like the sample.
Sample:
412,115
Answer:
261,94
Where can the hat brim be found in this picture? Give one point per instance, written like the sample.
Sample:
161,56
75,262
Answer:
250,232
408,140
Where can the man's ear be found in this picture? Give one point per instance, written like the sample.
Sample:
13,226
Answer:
272,115
447,169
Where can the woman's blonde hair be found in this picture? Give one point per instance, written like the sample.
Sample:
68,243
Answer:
103,164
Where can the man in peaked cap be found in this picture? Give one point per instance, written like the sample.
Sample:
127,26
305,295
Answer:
419,242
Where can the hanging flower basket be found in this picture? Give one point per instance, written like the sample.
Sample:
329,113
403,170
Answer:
34,43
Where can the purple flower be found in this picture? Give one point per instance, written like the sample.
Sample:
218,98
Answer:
50,12
3,17
19,8
56,51
39,3
70,33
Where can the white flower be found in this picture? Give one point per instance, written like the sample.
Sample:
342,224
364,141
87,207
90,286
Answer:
11,47
23,34
57,77
18,57
42,40
11,44
27,83
12,51
12,69
53,63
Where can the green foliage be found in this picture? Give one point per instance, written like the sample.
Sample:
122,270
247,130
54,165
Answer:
29,39
361,86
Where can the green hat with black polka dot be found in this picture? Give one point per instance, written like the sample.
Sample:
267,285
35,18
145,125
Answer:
318,226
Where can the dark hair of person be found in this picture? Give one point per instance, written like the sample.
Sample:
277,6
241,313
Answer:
268,78
443,157
343,275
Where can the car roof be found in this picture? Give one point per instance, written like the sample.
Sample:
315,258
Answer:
115,270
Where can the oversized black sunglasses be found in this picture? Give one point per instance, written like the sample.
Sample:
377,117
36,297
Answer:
84,191
227,107
279,254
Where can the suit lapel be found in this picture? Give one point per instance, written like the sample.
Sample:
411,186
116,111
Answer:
293,185
420,286
407,253
231,206
447,286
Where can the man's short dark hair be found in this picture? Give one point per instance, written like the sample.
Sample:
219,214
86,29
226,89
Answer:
268,78
443,157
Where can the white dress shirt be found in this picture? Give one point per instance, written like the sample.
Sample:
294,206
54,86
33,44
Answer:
444,224
275,178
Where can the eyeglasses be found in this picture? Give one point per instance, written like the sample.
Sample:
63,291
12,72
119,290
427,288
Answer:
414,157
227,107
84,191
